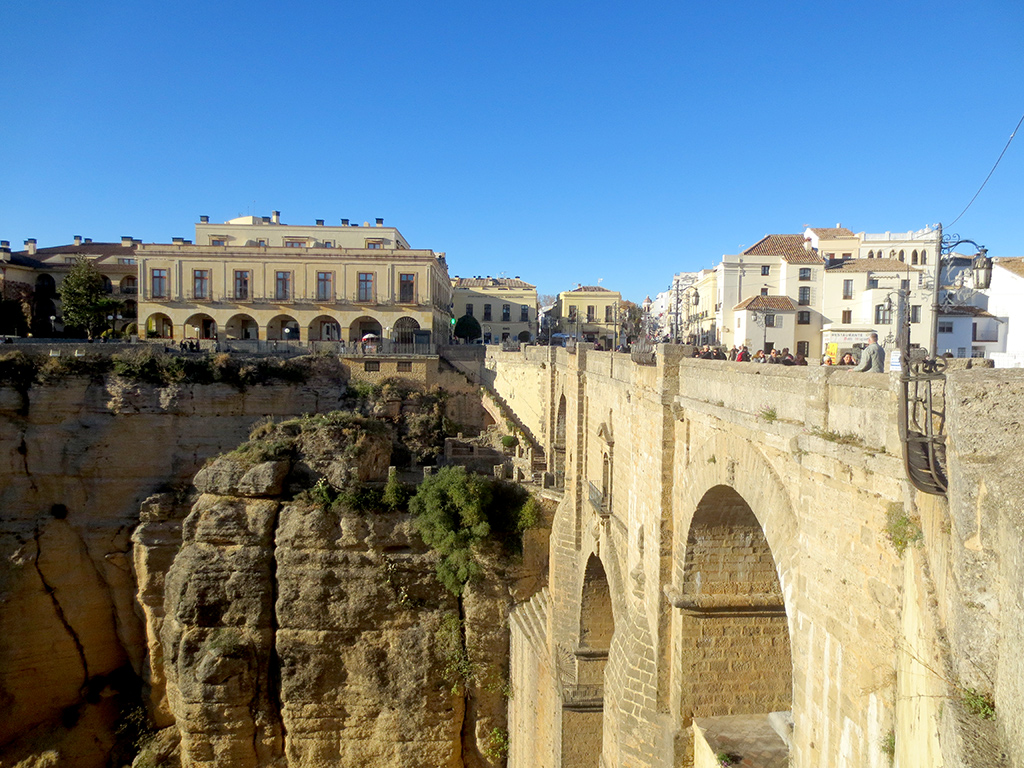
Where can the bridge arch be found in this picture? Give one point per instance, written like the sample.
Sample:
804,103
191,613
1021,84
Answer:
734,564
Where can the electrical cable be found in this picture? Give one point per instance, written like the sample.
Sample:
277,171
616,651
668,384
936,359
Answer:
954,221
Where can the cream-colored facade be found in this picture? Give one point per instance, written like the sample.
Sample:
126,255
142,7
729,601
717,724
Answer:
317,291
589,312
506,308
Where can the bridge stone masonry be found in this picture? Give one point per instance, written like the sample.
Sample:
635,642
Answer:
738,564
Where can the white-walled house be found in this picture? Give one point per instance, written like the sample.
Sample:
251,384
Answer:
1006,302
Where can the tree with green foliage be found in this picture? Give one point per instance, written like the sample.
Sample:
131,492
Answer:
84,301
467,328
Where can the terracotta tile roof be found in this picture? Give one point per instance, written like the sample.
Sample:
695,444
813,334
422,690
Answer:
788,247
490,282
1014,265
831,233
776,303
589,289
85,249
871,265
964,310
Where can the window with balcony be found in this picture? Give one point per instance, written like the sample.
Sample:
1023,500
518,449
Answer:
805,273
365,286
524,313
242,284
158,283
803,318
847,316
200,283
591,313
487,311
407,288
324,286
506,313
129,285
609,314
847,289
283,286
883,314
804,296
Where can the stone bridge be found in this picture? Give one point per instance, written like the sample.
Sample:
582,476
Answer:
735,540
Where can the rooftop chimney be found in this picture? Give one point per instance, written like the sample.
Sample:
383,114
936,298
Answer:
319,222
30,246
380,222
5,244
275,216
78,239
204,219
87,240
344,222
126,241
839,225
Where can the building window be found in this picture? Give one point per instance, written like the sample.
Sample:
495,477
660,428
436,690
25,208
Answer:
407,288
572,313
805,273
872,283
158,283
913,257
902,257
915,313
883,315
126,262
905,285
847,289
803,318
365,286
328,243
374,245
765,270
945,326
871,254
262,242
200,283
805,296
469,310
524,314
371,365
487,311
591,313
283,286
764,291
961,351
847,316
294,243
242,284
609,314
506,313
324,286
769,321
803,348
924,257
218,241
405,366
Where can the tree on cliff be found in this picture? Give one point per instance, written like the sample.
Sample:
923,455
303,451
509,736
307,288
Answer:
84,301
467,328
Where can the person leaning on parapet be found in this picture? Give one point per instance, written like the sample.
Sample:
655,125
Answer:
872,359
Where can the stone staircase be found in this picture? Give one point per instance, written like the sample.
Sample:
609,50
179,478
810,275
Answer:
531,618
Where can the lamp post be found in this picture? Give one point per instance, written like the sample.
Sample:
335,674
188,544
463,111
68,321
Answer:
981,273
53,325
689,314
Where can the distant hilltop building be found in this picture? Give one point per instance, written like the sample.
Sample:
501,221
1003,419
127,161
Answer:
256,278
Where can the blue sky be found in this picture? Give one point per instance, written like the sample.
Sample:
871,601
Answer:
562,142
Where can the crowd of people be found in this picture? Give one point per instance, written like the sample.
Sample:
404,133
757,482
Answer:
871,359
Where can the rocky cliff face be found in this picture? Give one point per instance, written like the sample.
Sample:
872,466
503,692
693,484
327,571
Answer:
295,631
82,588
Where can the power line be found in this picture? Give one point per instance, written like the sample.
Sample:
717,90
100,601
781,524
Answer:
954,221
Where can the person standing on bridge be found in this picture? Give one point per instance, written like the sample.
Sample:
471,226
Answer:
873,357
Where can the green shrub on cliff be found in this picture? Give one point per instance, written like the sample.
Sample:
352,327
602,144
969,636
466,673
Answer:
456,511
